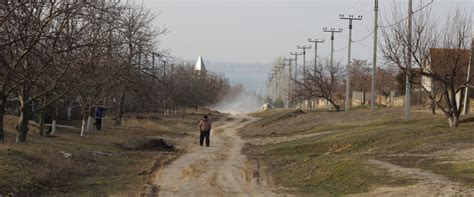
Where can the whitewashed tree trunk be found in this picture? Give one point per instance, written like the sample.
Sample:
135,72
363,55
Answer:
454,121
83,127
53,127
89,123
69,111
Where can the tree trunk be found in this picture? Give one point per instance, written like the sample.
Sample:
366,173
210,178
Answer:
119,120
454,121
85,115
41,124
83,127
53,128
89,123
433,106
53,123
334,104
455,104
2,114
25,117
433,110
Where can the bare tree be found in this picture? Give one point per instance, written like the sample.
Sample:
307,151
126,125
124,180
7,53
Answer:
360,74
139,37
323,81
94,53
33,32
439,52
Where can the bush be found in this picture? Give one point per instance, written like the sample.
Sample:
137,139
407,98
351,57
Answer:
279,103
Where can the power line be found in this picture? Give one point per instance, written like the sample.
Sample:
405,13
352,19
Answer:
391,25
342,49
367,36
356,41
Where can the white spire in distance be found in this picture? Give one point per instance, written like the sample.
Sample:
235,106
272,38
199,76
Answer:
200,65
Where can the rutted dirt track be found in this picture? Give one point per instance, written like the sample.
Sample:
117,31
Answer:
429,184
219,170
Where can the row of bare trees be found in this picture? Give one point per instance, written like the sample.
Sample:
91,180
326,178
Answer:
327,82
92,53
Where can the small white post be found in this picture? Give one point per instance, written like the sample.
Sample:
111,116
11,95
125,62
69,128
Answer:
53,127
83,127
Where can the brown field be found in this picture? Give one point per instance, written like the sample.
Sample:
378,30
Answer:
109,162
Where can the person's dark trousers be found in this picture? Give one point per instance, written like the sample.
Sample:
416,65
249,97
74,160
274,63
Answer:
98,123
204,134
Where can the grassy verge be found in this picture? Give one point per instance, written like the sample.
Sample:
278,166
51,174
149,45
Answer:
337,164
99,166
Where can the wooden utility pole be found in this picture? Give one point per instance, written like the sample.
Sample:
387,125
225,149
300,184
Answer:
289,60
374,61
347,103
304,47
316,42
408,72
332,31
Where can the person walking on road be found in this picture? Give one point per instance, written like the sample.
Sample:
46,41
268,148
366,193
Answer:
205,127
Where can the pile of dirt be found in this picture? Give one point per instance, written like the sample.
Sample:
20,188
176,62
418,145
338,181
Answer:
157,144
154,144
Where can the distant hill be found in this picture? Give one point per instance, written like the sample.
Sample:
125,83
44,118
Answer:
252,76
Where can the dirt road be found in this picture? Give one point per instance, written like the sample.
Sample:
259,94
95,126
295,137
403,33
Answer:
219,170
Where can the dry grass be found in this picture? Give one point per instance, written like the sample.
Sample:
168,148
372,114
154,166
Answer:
337,164
287,122
98,166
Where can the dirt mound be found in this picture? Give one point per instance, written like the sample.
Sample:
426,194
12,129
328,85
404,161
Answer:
154,144
157,144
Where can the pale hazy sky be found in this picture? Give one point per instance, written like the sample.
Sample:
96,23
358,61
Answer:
258,31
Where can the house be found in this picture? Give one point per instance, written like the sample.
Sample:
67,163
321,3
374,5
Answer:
442,63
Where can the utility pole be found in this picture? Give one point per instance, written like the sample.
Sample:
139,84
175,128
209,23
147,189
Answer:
296,63
332,31
348,75
296,69
467,91
374,63
304,47
289,60
279,82
408,74
273,84
316,42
